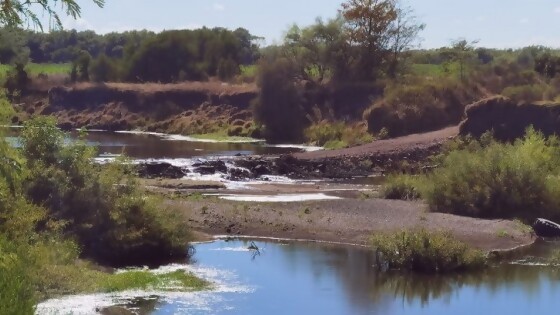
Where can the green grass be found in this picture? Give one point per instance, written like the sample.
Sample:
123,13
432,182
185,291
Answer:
81,278
34,69
249,71
431,70
177,281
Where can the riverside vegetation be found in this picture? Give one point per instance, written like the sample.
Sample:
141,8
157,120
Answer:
426,252
489,179
60,215
364,83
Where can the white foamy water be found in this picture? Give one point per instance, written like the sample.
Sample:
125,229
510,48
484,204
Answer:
193,139
278,198
223,282
308,148
188,164
172,137
137,132
231,249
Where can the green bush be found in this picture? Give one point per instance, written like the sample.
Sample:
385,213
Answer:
113,220
427,252
496,180
401,187
16,290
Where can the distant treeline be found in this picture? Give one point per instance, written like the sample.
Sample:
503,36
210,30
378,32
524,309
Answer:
136,56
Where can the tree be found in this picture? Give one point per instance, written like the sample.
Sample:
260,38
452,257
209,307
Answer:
461,51
279,103
380,30
17,13
368,23
103,69
402,35
320,51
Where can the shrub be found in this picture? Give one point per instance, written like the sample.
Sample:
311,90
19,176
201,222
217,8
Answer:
427,252
401,187
512,180
113,220
525,93
333,135
16,292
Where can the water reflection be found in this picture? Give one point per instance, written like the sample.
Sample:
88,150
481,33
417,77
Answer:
144,146
307,278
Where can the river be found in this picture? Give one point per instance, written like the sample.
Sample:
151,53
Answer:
312,278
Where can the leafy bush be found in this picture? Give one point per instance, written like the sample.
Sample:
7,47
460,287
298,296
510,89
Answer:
16,292
401,187
496,180
424,251
113,220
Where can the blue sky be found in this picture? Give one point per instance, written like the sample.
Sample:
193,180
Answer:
495,23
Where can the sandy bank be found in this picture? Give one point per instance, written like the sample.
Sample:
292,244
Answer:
346,220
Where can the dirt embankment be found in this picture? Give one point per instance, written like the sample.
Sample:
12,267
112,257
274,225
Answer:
193,107
508,119
407,154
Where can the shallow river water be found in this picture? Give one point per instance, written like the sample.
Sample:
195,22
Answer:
311,278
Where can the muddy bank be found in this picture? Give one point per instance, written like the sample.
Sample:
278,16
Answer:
184,108
508,119
346,220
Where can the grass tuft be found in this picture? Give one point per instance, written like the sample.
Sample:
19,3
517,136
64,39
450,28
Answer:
426,252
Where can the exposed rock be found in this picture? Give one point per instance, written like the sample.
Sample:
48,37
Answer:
546,228
508,119
210,167
160,170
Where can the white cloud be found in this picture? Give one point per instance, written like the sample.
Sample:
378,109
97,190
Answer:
524,21
218,7
557,10
79,24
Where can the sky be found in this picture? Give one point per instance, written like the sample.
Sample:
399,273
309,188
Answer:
494,23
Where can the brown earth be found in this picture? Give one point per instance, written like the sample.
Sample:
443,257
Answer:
351,221
508,119
410,143
185,108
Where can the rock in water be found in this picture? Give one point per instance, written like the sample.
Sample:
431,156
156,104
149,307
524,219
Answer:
160,170
546,228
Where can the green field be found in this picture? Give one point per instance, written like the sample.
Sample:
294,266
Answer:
34,69
431,70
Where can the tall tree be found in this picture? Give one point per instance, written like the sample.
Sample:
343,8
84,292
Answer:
380,31
462,51
403,34
17,13
368,23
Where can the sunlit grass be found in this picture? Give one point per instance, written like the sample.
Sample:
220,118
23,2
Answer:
34,69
